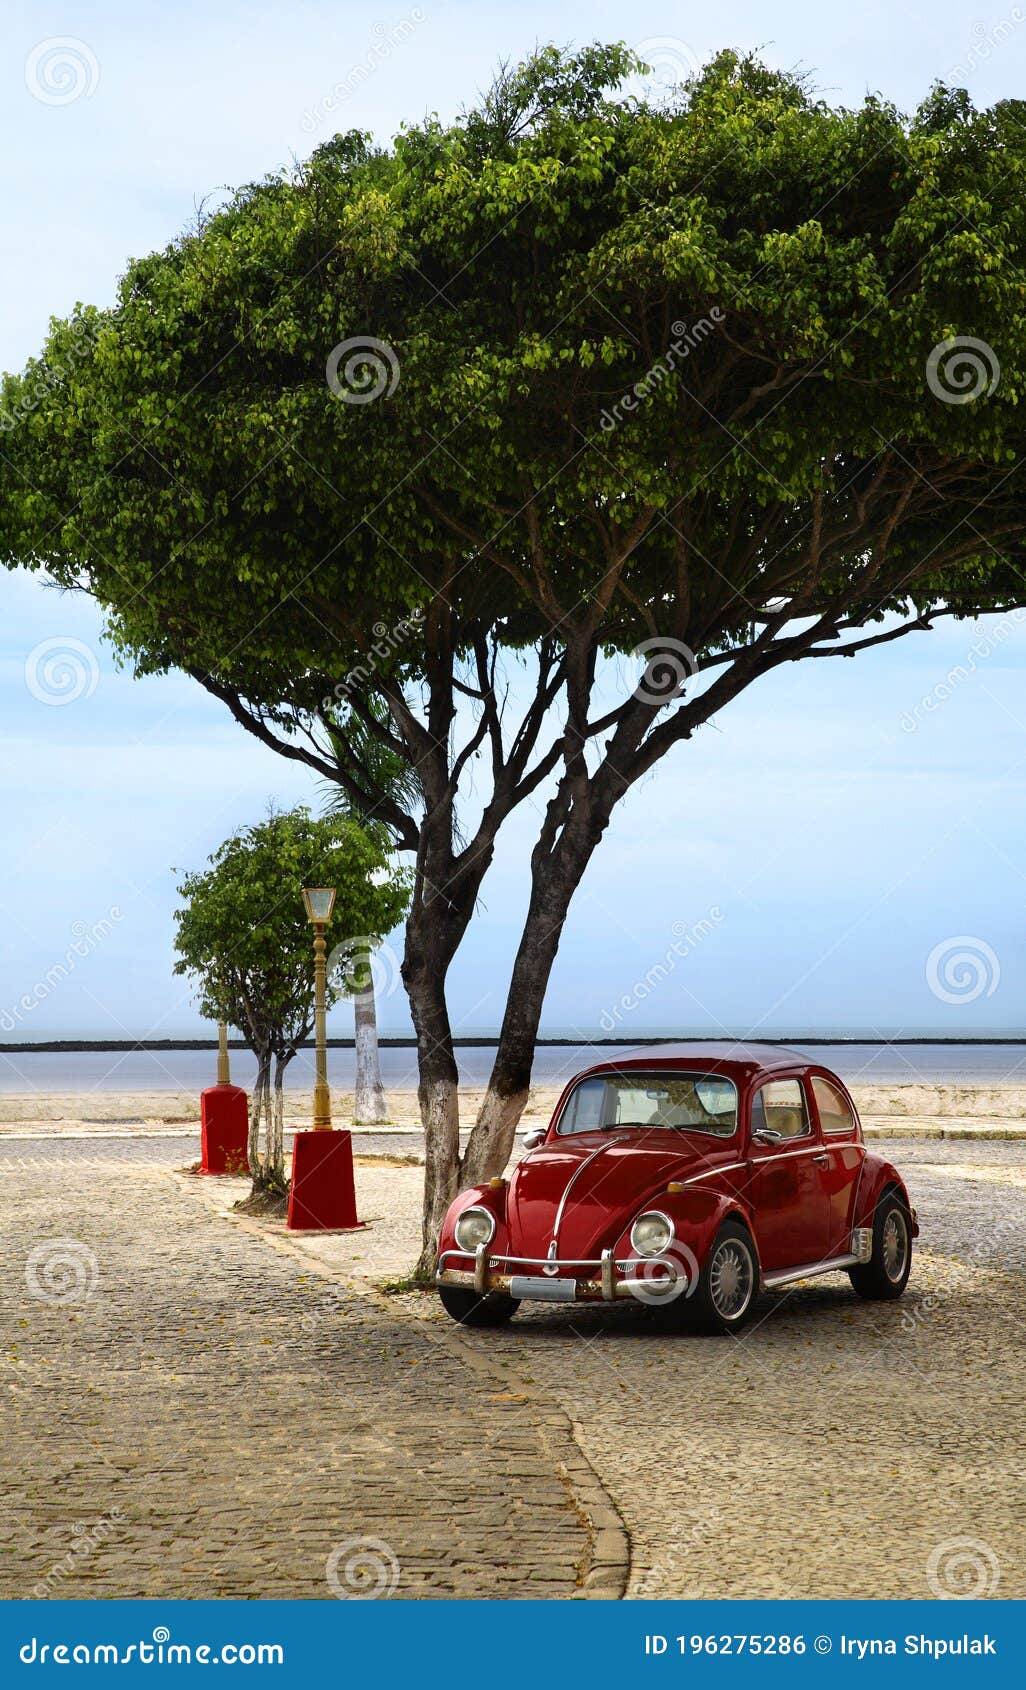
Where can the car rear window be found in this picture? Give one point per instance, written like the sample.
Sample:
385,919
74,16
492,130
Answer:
688,1102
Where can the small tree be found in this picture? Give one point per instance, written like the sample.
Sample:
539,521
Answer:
243,936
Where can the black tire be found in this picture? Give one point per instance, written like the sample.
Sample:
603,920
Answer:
468,1308
709,1308
885,1275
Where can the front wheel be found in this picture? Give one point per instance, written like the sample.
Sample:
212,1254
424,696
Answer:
886,1273
728,1286
469,1308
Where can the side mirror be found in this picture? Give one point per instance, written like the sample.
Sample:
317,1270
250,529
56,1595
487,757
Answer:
767,1135
534,1136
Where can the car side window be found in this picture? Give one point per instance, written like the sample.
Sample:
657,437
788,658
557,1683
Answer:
780,1105
835,1113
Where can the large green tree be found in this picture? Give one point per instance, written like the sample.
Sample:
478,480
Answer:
671,381
242,937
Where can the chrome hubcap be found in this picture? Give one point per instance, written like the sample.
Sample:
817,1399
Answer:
730,1279
894,1245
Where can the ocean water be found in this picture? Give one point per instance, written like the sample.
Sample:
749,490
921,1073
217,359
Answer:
191,1070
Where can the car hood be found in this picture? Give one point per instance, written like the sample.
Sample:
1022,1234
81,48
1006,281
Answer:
605,1177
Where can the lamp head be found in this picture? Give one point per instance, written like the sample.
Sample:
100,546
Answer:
319,901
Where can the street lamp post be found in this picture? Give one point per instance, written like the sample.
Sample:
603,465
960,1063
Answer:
319,902
224,1072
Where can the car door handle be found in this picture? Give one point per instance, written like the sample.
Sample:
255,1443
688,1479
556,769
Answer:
822,1158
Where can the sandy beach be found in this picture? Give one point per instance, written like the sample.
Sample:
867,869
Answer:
908,1110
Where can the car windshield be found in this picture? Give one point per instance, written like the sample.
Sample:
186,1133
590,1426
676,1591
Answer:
704,1103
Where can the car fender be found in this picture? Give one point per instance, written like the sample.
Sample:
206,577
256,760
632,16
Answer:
877,1174
697,1215
490,1197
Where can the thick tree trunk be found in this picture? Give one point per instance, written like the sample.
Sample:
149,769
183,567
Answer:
437,1092
556,875
369,1104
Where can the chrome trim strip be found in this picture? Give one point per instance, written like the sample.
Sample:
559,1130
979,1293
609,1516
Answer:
721,1168
787,1276
571,1182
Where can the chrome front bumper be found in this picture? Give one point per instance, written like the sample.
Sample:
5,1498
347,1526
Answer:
600,1280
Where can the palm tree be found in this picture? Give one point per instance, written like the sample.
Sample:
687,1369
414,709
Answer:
386,773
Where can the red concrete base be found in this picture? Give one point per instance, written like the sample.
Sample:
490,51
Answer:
322,1196
224,1130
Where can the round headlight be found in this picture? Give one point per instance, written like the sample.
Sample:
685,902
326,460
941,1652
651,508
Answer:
474,1227
651,1233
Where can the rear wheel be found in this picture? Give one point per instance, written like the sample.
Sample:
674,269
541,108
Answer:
469,1308
886,1273
729,1282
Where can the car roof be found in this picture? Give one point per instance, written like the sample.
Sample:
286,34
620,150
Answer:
747,1056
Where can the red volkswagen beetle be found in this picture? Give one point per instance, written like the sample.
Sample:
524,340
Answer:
689,1178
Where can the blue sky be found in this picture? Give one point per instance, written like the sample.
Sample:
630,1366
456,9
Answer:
819,856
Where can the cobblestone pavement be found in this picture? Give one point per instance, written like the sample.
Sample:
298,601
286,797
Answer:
246,1418
187,1412
837,1448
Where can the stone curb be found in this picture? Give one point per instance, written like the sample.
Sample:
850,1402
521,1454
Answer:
605,1574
